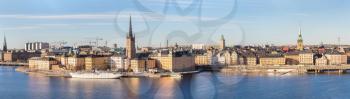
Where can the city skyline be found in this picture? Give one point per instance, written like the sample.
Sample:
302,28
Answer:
273,21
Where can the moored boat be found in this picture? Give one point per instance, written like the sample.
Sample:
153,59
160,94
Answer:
95,75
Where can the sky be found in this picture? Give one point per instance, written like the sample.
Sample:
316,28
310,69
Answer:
248,22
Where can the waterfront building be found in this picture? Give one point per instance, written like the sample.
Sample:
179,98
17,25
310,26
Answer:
292,58
272,59
130,43
201,60
336,58
138,65
41,63
174,61
75,63
96,63
251,60
33,46
234,58
224,58
321,60
117,63
306,58
19,56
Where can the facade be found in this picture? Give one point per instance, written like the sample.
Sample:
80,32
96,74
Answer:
18,56
198,46
292,58
306,58
33,46
175,61
234,58
272,60
138,65
98,63
321,61
336,58
117,63
75,63
201,60
41,63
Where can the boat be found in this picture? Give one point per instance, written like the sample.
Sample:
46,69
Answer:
95,75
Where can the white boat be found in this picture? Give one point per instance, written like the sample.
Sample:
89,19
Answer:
95,75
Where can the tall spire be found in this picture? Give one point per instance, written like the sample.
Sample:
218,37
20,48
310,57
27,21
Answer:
5,44
130,28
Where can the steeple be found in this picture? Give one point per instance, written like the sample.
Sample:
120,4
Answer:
5,44
300,45
222,43
130,28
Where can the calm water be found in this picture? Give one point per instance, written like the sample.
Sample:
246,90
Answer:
16,85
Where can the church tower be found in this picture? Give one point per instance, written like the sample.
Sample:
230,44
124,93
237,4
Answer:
300,45
130,43
222,43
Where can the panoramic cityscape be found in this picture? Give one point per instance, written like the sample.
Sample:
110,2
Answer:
174,49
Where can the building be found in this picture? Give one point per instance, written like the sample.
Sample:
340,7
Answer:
202,60
96,63
130,43
321,61
4,48
174,61
19,56
75,63
41,63
300,45
234,58
33,46
138,65
275,59
336,58
306,58
198,46
224,58
117,63
292,58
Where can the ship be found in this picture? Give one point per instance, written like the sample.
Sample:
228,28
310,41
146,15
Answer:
95,75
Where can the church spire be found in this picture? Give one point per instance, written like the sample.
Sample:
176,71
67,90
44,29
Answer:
5,44
130,28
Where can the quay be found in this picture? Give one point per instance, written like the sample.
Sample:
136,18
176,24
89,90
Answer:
13,64
289,68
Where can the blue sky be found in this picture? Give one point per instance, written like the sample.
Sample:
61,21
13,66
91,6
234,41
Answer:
180,21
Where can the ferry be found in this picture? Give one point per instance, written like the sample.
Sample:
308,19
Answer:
95,75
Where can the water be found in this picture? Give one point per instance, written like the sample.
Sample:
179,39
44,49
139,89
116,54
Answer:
16,85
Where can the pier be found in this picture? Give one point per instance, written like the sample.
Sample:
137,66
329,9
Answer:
282,68
13,64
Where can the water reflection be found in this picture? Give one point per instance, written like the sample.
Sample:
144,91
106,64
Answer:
206,85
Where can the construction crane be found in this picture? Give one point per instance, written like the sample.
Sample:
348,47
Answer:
96,40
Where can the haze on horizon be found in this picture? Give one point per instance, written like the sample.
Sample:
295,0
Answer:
179,21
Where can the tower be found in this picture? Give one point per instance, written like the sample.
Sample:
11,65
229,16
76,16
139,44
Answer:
130,43
222,43
300,45
4,48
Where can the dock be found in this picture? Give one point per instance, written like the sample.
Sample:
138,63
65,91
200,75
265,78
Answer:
13,64
296,68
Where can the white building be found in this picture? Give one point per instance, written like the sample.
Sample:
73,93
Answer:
198,46
32,46
117,62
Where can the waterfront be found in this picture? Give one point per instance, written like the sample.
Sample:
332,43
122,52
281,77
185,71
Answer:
205,85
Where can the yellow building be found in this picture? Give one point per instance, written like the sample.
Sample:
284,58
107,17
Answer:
75,63
300,45
175,62
251,60
201,60
336,58
272,60
138,65
292,58
98,63
321,61
306,58
41,63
